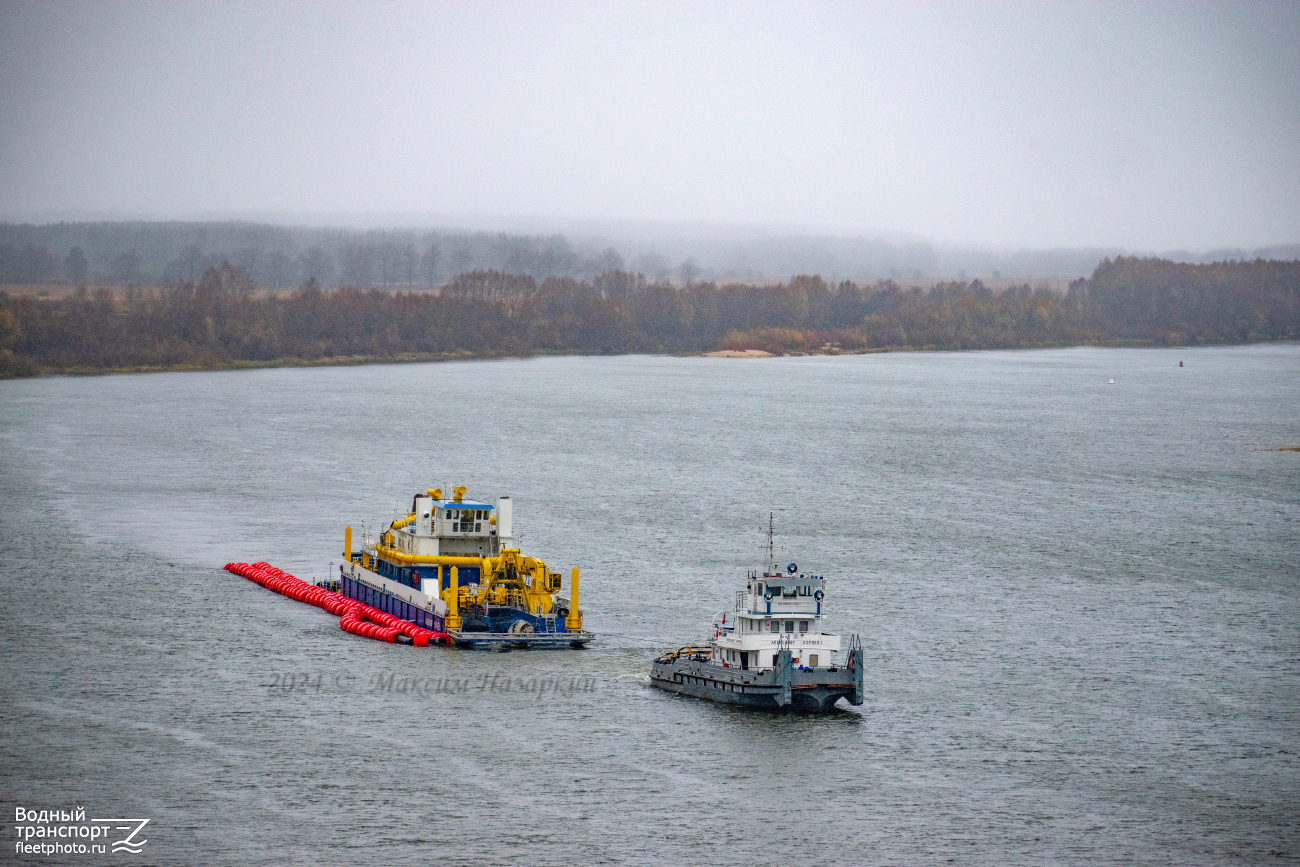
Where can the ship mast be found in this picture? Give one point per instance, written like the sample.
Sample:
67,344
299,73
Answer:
771,545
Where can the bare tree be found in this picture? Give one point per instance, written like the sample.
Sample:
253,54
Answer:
193,256
610,260
279,270
126,267
689,270
406,262
460,260
317,265
429,263
76,265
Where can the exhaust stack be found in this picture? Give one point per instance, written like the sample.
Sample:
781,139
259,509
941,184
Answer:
506,522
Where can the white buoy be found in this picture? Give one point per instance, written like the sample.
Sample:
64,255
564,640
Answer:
1110,382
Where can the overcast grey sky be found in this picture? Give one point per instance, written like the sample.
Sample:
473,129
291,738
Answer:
1144,125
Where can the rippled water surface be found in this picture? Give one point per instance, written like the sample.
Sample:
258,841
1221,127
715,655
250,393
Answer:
1080,604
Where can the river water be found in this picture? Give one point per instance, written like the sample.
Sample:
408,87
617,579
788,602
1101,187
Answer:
1079,602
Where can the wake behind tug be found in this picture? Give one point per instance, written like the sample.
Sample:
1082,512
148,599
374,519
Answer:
450,565
769,651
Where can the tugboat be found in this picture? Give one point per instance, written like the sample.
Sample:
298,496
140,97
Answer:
769,651
451,566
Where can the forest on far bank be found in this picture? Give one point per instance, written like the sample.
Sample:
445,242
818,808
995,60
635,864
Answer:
220,321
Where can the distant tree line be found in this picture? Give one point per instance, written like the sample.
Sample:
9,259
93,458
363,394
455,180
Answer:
159,253
221,320
1133,299
166,254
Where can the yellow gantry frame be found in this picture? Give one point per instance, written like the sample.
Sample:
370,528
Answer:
512,574
508,574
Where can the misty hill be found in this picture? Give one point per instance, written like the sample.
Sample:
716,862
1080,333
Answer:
165,254
173,253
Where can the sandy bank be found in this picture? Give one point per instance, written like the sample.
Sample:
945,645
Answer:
738,353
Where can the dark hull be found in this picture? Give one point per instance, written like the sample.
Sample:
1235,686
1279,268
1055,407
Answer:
806,690
521,641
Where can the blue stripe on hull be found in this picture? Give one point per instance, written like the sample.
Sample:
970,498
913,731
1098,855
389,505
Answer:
411,576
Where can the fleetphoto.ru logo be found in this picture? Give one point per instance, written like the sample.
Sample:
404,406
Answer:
67,832
132,842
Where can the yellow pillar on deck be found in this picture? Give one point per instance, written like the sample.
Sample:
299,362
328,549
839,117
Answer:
574,621
347,544
453,609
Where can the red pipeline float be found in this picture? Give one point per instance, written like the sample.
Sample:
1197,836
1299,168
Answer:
354,617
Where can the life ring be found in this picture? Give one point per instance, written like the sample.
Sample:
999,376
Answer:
792,568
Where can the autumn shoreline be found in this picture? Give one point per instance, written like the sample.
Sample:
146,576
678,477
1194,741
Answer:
442,358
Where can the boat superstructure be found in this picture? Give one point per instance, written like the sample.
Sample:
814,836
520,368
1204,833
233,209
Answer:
771,650
451,565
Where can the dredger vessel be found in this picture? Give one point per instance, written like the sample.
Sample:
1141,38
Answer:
451,565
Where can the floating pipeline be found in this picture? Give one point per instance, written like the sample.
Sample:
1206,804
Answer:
355,617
